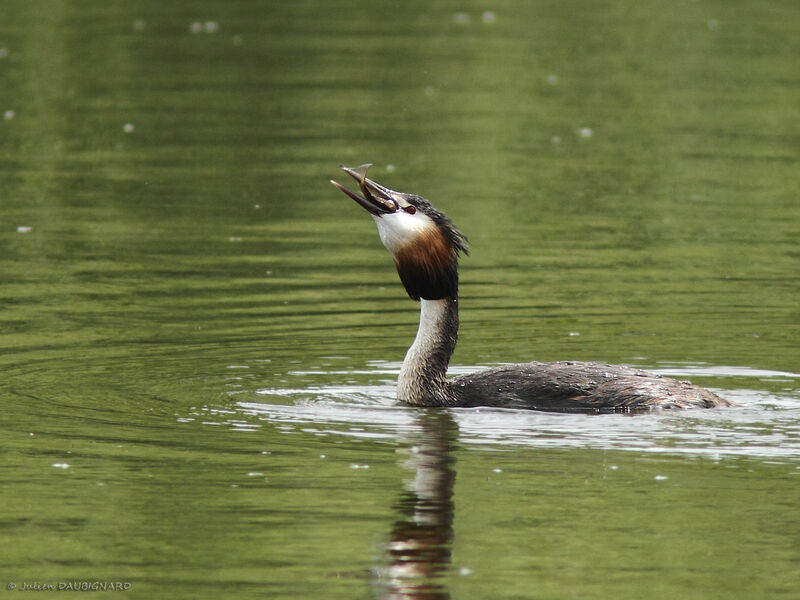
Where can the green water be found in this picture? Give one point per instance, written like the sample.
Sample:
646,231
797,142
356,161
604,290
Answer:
199,335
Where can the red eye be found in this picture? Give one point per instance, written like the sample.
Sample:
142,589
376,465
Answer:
410,210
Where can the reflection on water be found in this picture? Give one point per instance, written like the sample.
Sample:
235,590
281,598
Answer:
561,498
420,542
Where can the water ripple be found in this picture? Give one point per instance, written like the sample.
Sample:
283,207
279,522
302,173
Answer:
763,425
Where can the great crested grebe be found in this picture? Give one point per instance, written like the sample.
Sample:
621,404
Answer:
425,245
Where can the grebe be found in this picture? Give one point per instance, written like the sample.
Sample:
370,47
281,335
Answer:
426,245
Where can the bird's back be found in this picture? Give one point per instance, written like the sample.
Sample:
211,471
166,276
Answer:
577,387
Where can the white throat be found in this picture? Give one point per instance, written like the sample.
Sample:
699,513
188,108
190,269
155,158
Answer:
400,228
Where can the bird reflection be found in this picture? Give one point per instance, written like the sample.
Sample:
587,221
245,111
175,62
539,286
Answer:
420,542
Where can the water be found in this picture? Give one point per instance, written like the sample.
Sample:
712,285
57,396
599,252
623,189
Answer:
199,335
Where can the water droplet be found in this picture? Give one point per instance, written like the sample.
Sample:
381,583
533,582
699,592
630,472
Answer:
8,115
128,128
211,26
660,478
488,17
196,27
60,465
24,229
586,132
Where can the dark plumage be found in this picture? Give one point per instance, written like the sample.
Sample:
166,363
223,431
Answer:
577,387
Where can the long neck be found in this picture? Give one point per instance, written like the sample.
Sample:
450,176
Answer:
422,376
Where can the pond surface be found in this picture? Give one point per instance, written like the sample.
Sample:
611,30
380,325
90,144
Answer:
199,336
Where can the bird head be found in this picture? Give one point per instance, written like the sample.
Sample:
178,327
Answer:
424,243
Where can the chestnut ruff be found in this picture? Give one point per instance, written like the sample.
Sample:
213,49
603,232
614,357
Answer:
428,266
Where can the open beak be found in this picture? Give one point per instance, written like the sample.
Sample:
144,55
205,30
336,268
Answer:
376,198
